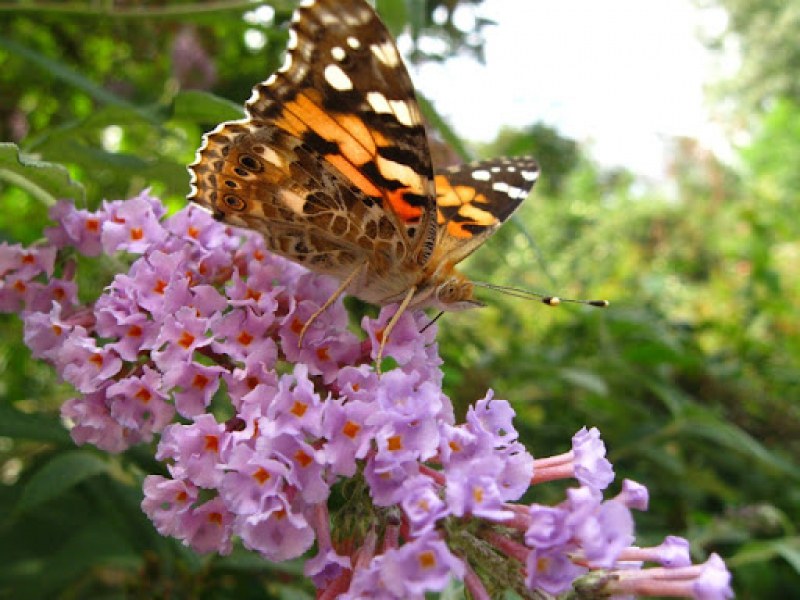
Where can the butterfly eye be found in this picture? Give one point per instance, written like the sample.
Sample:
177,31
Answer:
234,202
250,162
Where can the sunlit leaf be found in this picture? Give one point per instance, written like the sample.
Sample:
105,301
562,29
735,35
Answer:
203,107
46,181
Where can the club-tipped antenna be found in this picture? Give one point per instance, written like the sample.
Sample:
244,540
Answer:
543,298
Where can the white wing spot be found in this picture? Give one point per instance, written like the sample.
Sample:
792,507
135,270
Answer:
517,193
337,78
378,102
293,201
272,157
510,190
287,63
511,169
353,42
482,175
386,53
530,175
402,112
495,169
338,53
292,40
499,186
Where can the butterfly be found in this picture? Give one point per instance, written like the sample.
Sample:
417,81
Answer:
332,166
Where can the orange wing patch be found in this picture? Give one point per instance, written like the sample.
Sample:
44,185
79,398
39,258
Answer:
457,210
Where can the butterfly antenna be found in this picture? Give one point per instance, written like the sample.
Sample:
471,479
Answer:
432,321
544,299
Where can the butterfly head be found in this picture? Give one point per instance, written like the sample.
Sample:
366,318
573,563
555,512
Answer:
453,293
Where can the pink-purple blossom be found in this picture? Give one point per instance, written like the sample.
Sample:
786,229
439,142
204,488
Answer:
198,346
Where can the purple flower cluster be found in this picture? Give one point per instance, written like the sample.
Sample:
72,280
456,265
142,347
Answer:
197,346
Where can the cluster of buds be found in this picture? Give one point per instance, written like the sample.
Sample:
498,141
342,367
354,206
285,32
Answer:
287,446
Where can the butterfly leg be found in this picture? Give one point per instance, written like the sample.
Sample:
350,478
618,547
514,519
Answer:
339,291
392,322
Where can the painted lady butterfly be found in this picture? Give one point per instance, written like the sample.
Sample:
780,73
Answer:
332,166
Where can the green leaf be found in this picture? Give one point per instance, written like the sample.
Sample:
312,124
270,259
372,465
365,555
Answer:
394,14
443,127
761,551
726,436
585,379
202,107
59,475
21,426
46,181
66,74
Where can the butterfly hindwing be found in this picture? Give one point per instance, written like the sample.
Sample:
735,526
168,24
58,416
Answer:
260,177
474,199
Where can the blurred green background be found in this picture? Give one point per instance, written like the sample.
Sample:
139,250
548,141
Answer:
692,375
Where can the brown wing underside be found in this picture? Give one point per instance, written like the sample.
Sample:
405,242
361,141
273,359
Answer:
256,176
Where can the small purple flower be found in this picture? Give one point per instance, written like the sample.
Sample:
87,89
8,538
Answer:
80,229
514,478
257,371
326,566
26,263
604,533
422,565
590,463
94,424
192,386
305,464
85,365
195,450
180,336
195,226
476,495
251,480
551,570
386,479
325,356
714,581
133,225
207,528
495,417
296,408
673,552
548,527
277,533
633,495
357,383
257,291
415,352
166,500
349,437
422,505
46,332
242,330
138,404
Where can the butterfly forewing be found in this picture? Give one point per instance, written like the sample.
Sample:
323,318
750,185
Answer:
345,92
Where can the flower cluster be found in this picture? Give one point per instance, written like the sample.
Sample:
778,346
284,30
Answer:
197,346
